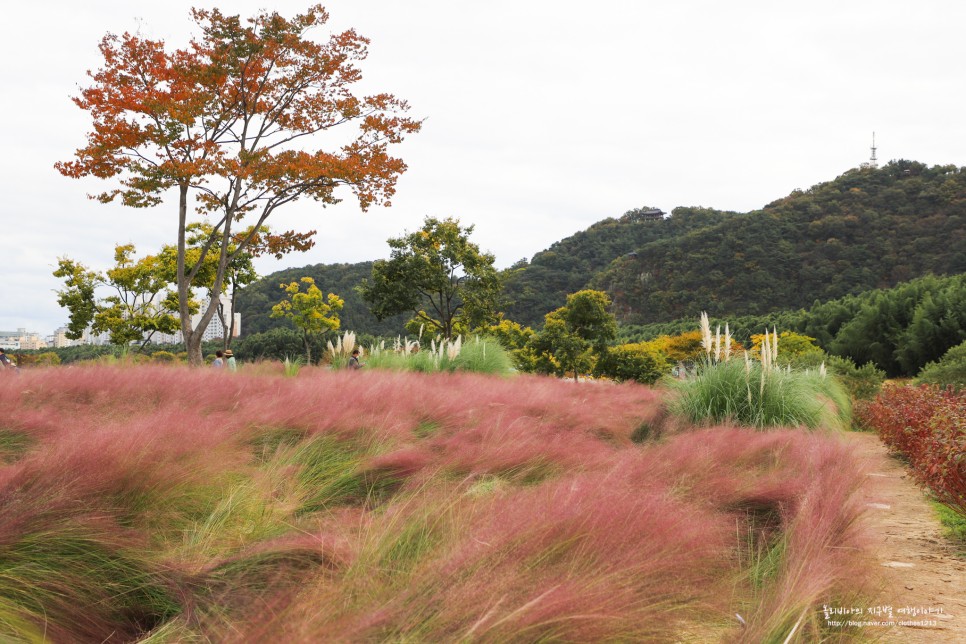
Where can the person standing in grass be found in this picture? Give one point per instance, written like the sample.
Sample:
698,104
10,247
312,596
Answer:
230,361
219,362
354,360
5,362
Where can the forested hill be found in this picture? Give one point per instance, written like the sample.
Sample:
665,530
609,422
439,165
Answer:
255,301
867,229
534,289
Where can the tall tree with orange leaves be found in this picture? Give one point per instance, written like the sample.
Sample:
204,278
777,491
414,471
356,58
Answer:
226,120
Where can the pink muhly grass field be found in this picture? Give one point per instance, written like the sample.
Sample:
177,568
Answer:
401,506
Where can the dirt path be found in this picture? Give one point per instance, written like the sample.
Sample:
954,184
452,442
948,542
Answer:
919,567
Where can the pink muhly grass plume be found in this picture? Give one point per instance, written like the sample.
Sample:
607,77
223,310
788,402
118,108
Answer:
825,558
506,508
580,558
799,487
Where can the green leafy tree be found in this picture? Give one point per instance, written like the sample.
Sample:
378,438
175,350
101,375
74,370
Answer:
938,323
310,311
223,119
139,305
440,276
558,351
575,335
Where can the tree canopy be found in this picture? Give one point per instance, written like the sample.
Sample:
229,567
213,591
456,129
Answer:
225,119
139,301
310,311
575,335
438,274
899,330
865,230
255,300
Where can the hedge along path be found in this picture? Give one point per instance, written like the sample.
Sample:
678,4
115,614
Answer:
918,564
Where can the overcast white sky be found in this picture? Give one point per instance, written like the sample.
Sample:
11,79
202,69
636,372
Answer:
542,116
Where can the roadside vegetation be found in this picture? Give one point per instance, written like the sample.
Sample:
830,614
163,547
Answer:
926,425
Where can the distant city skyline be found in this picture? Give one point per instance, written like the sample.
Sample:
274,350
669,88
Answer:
15,338
541,118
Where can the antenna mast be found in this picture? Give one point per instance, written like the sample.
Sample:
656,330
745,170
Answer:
872,160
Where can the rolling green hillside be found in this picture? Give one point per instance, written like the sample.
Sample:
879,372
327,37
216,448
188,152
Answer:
867,229
534,289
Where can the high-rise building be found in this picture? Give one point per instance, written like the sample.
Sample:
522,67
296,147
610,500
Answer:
213,331
60,338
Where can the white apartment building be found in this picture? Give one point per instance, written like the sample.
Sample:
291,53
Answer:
21,339
32,342
9,340
213,331
60,339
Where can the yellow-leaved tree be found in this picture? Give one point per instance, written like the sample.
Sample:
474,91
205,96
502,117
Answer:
310,311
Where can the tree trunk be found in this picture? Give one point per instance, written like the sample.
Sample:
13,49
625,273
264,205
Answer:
192,340
308,349
231,327
194,336
224,326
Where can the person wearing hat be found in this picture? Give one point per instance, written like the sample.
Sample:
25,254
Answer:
230,360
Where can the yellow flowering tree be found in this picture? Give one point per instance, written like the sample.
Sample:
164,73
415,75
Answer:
310,311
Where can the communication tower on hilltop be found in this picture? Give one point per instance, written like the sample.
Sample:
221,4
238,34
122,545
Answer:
873,162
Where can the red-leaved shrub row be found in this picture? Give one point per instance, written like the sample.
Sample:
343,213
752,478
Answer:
167,500
927,425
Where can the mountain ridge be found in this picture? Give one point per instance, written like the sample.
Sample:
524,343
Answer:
868,228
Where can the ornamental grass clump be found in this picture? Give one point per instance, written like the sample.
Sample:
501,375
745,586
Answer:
341,351
478,355
292,366
758,393
482,355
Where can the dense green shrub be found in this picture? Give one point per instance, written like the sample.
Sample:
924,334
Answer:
950,371
516,339
862,383
639,362
44,359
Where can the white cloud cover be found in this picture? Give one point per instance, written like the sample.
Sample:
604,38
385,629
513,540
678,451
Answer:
541,117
